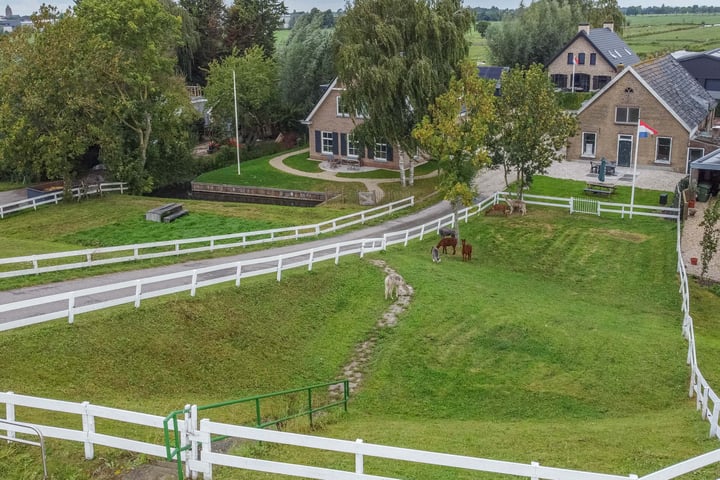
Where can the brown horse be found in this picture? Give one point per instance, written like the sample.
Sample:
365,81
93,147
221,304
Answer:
466,251
447,242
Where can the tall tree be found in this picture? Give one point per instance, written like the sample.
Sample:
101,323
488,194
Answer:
50,113
139,39
306,62
531,129
208,20
394,57
256,91
534,34
253,22
455,133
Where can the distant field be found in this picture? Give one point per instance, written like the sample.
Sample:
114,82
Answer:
651,35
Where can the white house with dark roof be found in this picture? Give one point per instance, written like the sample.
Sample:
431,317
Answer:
660,93
591,59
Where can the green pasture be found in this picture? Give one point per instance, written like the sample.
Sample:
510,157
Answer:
659,34
559,343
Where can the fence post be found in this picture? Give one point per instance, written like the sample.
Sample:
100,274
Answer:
535,466
138,292
337,254
10,415
422,231
193,286
279,269
359,468
88,422
191,426
206,447
714,421
35,263
71,307
310,260
238,274
407,237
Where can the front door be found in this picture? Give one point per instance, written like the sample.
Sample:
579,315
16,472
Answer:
624,151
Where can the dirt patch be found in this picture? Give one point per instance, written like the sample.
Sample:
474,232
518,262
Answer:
621,235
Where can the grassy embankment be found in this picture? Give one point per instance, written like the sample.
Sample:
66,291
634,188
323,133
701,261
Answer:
560,343
654,35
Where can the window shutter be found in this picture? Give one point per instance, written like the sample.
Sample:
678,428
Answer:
389,153
343,144
335,142
318,141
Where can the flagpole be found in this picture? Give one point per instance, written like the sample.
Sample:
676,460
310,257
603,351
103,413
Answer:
572,79
237,138
637,144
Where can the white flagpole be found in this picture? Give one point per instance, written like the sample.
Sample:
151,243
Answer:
572,79
237,137
637,144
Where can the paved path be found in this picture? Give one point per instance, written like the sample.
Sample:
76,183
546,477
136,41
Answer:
372,184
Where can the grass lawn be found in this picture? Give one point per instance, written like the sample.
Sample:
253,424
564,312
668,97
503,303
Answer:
657,34
559,343
4,186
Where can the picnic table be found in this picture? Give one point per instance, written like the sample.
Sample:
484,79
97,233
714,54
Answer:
609,167
352,163
600,188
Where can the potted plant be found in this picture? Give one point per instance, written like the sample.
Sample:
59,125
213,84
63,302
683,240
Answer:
691,193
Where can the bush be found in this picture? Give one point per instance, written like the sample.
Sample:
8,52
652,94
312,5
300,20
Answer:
226,155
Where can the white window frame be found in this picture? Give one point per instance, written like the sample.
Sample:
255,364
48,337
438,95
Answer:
657,150
338,105
326,142
583,152
628,121
353,147
381,152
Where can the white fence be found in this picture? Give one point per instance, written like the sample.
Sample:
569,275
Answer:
142,251
201,458
55,197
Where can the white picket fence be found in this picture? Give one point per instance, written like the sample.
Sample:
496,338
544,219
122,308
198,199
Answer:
142,251
201,459
55,197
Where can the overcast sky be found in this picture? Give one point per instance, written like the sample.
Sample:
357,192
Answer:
26,7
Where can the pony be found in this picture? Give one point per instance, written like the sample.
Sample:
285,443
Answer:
517,205
447,232
393,284
447,242
498,207
435,254
466,251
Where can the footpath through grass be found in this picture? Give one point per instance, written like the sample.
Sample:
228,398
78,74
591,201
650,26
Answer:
559,343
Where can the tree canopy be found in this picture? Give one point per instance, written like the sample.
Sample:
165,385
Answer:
306,63
531,129
253,22
208,18
455,133
394,57
256,88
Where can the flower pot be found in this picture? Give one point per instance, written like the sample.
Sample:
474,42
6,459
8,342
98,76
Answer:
691,204
693,261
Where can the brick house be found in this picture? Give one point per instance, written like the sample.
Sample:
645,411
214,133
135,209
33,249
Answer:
330,128
595,56
662,94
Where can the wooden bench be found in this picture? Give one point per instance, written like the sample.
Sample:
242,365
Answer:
598,192
165,214
600,188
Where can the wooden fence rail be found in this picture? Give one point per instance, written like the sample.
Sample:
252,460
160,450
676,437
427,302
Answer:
143,251
203,460
55,197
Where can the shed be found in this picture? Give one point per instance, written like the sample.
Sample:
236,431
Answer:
706,170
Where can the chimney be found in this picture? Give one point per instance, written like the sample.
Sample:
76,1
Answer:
584,27
609,25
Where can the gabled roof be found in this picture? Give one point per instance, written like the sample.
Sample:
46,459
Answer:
491,72
679,90
607,44
682,55
672,86
328,90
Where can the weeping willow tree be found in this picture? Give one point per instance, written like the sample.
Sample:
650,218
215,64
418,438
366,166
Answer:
394,57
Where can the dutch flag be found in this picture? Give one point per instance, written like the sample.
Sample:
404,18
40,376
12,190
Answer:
645,130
